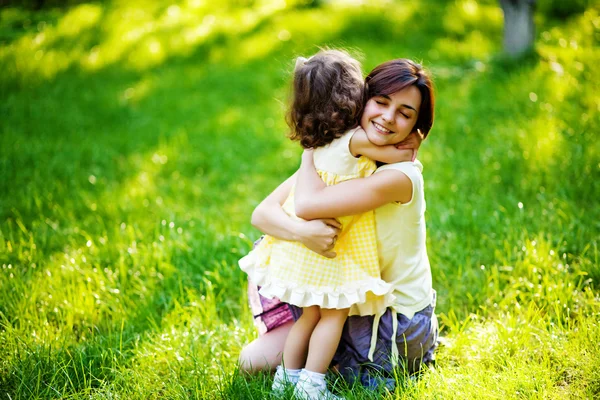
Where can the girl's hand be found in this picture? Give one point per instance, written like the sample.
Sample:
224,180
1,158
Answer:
320,235
360,145
412,142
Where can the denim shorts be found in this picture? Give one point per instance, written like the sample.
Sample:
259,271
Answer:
416,339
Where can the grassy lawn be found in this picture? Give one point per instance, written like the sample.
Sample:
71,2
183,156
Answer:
136,137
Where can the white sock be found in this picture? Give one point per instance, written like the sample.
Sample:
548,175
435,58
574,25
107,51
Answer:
316,378
292,375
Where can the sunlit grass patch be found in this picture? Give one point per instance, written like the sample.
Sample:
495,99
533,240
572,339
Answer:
519,354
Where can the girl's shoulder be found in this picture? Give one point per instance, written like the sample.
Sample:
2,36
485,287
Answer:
336,156
340,144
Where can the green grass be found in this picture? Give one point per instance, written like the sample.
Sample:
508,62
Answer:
136,138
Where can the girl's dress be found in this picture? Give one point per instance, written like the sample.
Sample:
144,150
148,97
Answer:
296,275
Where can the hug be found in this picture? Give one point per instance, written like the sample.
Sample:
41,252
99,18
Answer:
341,278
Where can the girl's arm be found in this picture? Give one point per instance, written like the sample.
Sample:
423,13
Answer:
269,217
314,199
361,146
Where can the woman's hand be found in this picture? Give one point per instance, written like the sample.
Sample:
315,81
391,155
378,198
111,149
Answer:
319,235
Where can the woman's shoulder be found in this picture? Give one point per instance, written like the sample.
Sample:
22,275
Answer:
408,167
410,188
411,169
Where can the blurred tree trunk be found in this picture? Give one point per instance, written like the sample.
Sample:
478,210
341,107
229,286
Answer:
519,30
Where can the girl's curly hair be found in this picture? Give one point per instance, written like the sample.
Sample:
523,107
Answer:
328,98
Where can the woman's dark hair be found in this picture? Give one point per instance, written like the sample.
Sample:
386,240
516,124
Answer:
327,99
395,75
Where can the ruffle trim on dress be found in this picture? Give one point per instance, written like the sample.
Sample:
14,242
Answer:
325,297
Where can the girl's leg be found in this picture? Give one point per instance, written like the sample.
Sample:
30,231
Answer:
297,342
323,344
264,353
325,339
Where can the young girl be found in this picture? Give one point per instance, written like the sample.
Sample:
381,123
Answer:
328,99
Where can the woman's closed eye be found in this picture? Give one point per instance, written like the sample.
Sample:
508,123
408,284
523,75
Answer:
405,113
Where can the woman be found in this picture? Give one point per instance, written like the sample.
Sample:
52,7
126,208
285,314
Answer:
399,108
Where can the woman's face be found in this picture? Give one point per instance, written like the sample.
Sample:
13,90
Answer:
389,119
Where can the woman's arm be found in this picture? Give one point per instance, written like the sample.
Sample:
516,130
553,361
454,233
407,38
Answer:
269,217
314,199
360,145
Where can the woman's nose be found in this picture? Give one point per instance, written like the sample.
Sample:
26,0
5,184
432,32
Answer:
388,117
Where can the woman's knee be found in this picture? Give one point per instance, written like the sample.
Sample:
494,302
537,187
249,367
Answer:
264,352
249,360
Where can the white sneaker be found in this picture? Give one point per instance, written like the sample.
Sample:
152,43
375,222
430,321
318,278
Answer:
306,389
282,380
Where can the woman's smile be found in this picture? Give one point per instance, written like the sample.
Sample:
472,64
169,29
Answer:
381,129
